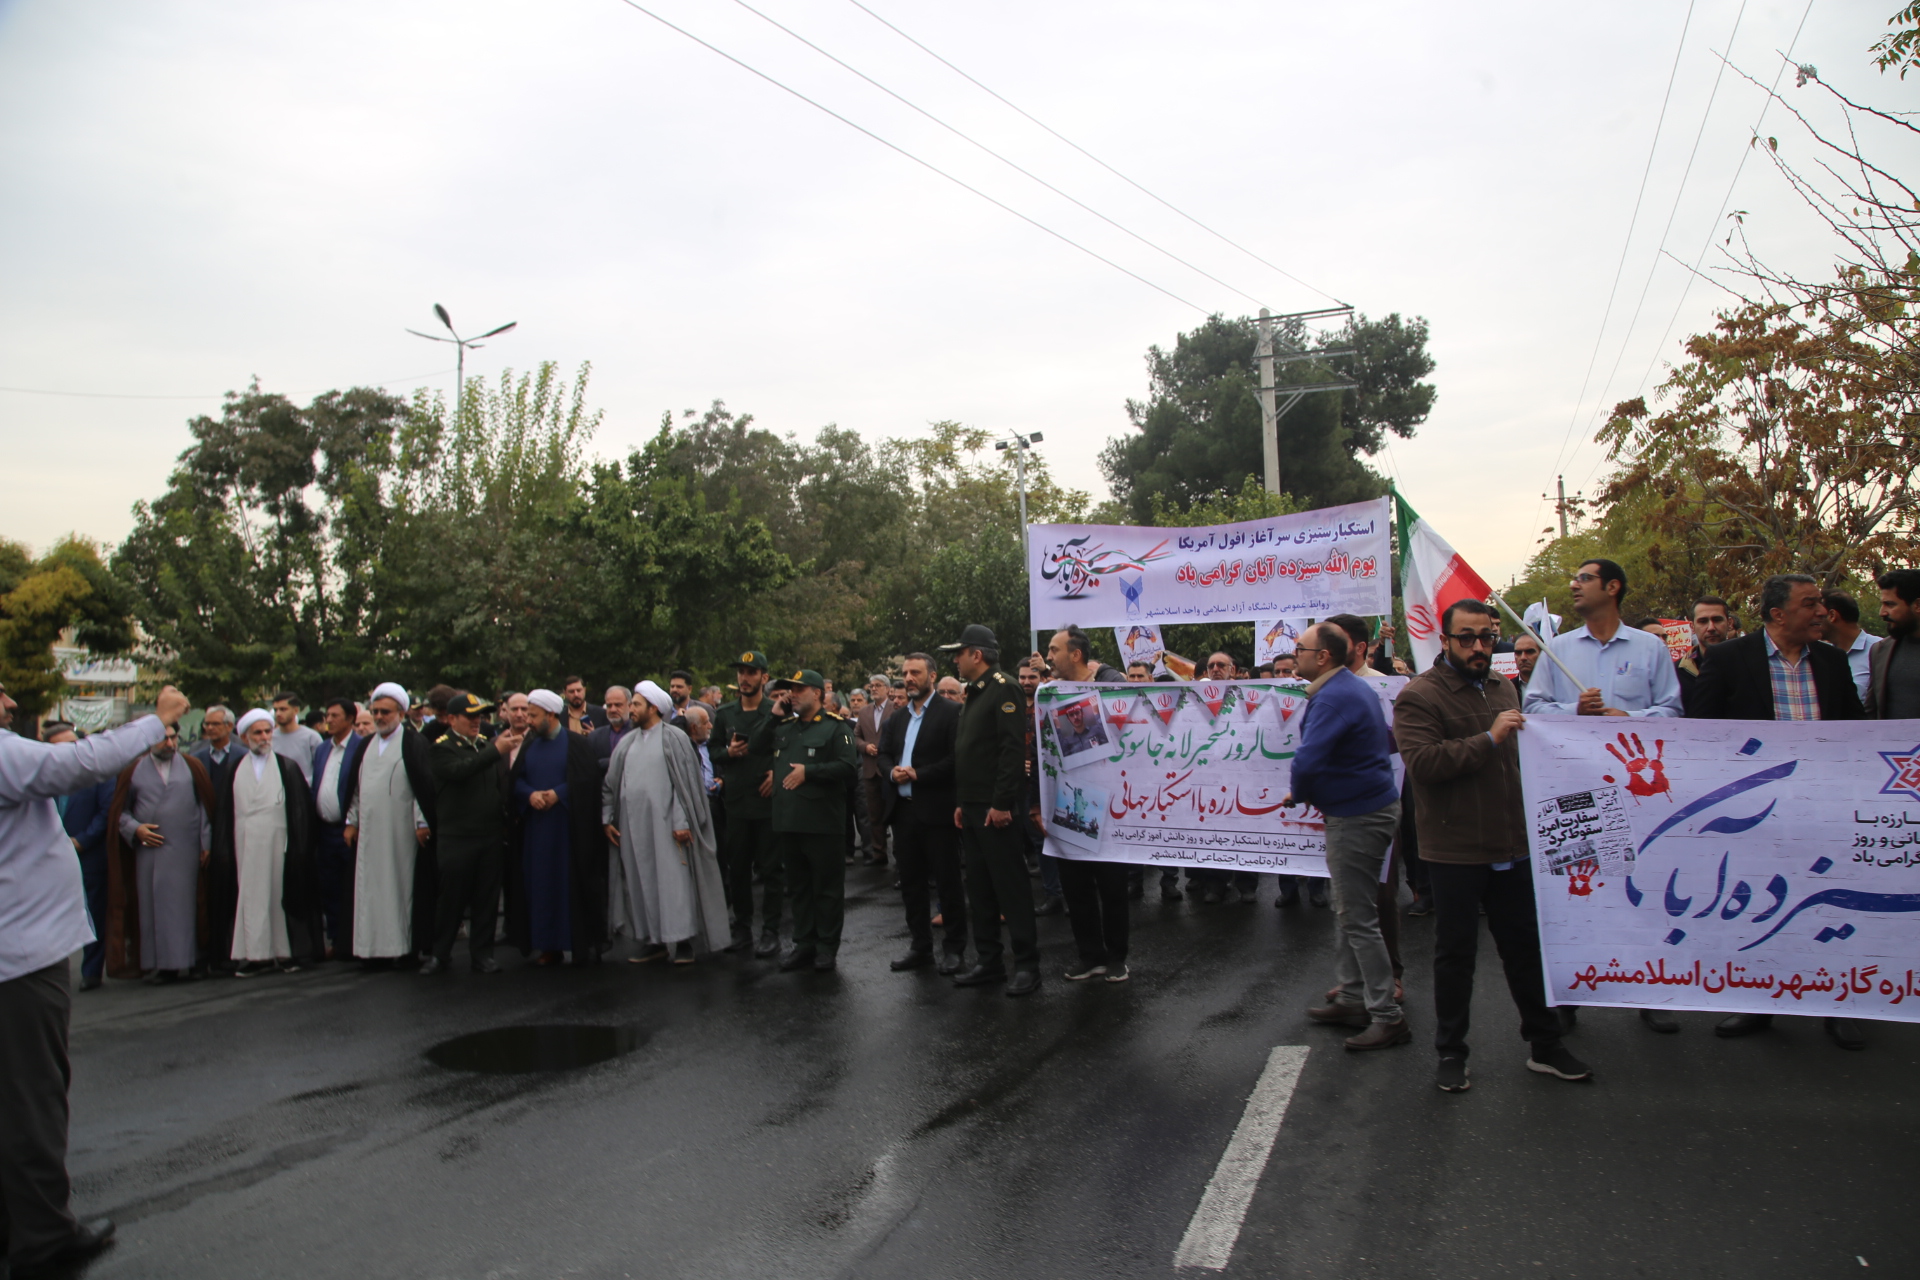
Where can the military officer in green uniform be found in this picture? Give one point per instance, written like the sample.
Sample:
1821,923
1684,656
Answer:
813,765
745,772
989,765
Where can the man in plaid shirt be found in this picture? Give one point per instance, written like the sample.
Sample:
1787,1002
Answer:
1784,671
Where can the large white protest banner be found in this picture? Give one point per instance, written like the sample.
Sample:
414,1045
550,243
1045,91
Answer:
1732,866
1307,565
1179,774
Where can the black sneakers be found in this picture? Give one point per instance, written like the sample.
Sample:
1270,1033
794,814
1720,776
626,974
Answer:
1556,1061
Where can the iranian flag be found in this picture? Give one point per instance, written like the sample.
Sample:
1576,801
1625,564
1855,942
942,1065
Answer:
1432,576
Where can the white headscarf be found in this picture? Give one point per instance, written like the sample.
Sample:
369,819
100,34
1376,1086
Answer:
548,701
656,695
251,719
394,691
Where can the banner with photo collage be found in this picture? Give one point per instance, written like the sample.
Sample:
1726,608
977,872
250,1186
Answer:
1180,774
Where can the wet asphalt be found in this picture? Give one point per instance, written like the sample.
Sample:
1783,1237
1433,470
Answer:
873,1124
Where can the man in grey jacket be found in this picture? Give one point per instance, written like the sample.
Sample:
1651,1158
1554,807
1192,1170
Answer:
43,921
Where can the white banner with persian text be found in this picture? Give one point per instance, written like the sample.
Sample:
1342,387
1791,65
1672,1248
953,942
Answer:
1185,775
1730,866
1307,565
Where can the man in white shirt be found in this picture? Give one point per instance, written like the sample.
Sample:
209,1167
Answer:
43,921
1845,634
333,767
1622,671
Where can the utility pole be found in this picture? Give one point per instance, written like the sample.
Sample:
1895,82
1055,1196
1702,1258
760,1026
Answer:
460,344
1020,444
1562,504
1269,416
1270,411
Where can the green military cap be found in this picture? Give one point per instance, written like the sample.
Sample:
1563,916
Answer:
752,660
803,680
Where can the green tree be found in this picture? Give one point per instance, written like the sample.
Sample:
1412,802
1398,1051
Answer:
255,568
39,599
1197,433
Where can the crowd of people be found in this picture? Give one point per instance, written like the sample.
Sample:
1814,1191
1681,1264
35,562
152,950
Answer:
669,824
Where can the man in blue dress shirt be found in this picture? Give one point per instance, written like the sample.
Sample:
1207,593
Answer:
1622,671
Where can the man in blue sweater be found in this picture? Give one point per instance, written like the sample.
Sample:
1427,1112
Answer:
1342,769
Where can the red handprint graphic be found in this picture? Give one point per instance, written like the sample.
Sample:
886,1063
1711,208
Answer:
1633,754
1580,878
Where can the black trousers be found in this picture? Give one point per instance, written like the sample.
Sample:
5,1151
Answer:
816,874
471,868
750,848
1096,894
930,850
93,878
997,885
35,1217
333,863
1459,891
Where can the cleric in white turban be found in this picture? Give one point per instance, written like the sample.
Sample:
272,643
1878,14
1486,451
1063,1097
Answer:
262,882
390,812
666,890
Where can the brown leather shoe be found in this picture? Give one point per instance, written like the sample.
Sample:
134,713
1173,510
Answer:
1340,1015
1382,1035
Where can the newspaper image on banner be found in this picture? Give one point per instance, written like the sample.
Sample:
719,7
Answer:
1727,866
1309,564
1184,775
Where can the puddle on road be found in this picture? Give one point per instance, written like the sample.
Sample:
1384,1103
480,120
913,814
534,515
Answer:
510,1050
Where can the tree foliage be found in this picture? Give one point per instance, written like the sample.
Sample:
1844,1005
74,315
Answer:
1197,435
1788,437
39,599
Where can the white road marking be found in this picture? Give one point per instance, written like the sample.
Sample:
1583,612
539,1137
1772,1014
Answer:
1216,1222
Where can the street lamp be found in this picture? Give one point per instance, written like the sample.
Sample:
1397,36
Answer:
1020,444
460,344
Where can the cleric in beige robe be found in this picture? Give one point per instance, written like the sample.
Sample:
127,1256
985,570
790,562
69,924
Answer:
667,891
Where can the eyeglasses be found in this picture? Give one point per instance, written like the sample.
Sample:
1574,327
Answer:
1586,577
1474,639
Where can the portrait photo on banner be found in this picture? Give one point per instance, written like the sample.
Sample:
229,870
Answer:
1078,812
1079,730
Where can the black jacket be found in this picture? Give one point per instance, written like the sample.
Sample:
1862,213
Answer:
932,759
1736,684
471,789
990,746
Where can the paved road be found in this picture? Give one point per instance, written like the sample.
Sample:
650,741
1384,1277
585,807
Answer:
878,1125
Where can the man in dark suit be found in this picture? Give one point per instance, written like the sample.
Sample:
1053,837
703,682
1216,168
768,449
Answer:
868,723
916,753
83,815
217,751
333,766
1893,689
1783,671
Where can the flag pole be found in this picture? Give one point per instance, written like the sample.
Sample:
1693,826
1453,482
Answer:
1537,639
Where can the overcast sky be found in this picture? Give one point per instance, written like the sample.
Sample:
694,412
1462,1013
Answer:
199,193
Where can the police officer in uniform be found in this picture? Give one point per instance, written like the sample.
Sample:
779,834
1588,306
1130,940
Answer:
989,758
745,773
813,763
472,847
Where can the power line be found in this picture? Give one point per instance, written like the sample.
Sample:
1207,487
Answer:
1653,267
927,165
1089,155
1632,221
995,154
1713,228
117,395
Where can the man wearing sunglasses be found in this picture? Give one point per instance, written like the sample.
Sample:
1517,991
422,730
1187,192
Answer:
1455,724
1622,670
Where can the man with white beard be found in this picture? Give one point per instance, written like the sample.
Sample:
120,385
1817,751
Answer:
667,890
390,811
263,839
